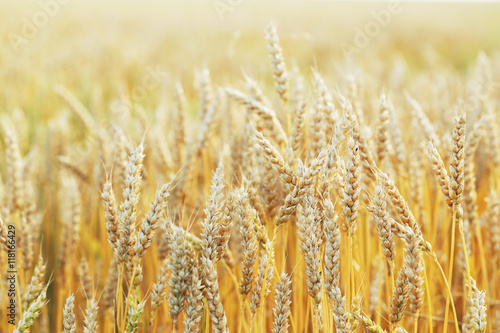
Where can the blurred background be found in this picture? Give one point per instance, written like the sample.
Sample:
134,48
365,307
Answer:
46,42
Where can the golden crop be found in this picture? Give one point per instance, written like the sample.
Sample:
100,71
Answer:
238,166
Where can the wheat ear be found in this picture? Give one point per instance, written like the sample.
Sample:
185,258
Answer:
246,220
32,313
110,214
4,244
69,319
277,62
210,243
194,300
127,213
179,266
379,211
90,320
134,315
309,229
282,304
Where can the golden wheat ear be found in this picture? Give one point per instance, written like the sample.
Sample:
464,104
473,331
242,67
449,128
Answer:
277,62
69,319
282,304
90,324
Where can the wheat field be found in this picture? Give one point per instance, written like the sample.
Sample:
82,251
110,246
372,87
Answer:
239,166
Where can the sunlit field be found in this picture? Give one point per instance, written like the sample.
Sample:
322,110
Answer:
249,166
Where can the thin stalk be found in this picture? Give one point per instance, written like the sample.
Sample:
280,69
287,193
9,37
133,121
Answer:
466,261
415,327
450,269
379,288
128,297
428,296
484,268
449,295
118,300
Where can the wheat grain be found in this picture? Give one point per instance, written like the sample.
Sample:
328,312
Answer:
37,284
69,319
194,302
179,280
352,187
246,221
282,304
127,213
309,228
4,243
134,315
90,321
277,62
384,229
110,214
32,313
